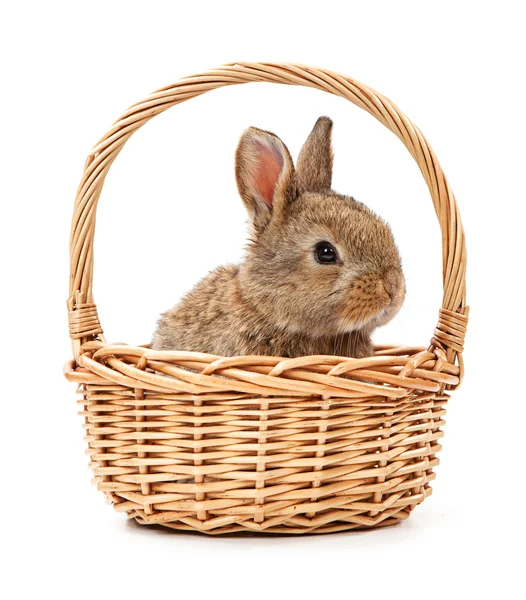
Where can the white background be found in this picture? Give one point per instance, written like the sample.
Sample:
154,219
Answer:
170,212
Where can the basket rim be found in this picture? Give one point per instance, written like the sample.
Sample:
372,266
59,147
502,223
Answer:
84,323
392,373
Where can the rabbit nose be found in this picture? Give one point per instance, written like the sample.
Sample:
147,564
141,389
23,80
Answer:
391,281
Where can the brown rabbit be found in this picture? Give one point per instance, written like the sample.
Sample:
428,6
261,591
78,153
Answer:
322,271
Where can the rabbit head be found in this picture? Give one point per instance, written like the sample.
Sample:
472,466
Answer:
319,263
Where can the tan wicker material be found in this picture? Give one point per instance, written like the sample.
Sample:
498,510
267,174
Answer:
261,443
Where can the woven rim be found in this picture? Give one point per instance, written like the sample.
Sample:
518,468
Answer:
83,319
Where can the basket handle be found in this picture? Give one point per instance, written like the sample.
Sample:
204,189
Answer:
84,324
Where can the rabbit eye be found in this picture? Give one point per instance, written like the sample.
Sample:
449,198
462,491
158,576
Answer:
325,253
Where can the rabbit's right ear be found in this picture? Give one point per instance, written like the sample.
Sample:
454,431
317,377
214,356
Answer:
314,166
265,176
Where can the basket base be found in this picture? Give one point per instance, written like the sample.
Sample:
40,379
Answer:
255,529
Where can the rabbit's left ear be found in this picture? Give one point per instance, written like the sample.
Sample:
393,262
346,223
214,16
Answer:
314,167
265,176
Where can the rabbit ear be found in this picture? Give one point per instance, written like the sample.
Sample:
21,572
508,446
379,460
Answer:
314,168
265,176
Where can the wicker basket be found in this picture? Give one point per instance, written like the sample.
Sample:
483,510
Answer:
262,443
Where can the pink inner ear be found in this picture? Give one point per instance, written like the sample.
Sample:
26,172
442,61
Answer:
268,170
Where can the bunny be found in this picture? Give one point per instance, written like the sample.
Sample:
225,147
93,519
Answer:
321,272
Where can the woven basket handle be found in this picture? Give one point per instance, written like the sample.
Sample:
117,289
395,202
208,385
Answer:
83,319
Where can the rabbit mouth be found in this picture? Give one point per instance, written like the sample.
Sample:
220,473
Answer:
384,315
374,300
367,319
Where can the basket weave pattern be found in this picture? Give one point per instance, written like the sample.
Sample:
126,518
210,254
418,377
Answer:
259,443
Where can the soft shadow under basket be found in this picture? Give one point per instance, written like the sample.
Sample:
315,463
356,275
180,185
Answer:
262,443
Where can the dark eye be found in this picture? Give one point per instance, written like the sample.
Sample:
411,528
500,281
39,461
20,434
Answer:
325,253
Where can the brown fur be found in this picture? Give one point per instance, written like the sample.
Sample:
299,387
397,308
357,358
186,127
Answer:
280,301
